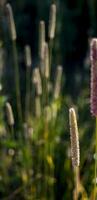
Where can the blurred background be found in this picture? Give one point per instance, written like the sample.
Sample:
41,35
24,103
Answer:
76,24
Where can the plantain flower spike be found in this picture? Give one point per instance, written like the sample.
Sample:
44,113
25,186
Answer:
11,22
57,87
93,59
9,113
41,39
36,79
75,150
52,22
28,58
46,61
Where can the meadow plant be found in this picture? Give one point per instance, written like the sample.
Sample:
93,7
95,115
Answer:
75,150
93,99
31,166
28,62
32,139
9,113
13,37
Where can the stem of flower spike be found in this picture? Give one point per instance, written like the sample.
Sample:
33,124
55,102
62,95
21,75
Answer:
17,82
76,173
95,160
50,53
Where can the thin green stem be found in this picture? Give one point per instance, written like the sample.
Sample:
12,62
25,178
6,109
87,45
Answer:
12,132
27,97
17,82
76,171
45,161
50,53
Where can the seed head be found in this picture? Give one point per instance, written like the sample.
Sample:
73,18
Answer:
57,87
93,59
52,21
28,58
41,39
11,22
46,61
75,151
36,78
9,113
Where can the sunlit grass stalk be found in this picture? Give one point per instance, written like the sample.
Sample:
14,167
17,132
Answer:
48,154
46,61
37,107
28,62
57,87
13,36
76,182
17,82
10,118
44,68
41,45
51,30
11,22
46,79
52,21
51,168
28,166
46,168
50,51
36,79
75,151
43,58
41,39
37,83
46,75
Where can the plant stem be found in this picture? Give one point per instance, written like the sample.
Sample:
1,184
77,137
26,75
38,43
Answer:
12,132
76,172
50,53
95,160
27,97
17,82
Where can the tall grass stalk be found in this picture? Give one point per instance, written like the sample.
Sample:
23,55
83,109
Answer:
52,21
17,82
48,156
75,151
41,45
76,176
46,76
51,30
28,62
43,164
13,36
36,79
41,39
46,61
37,107
57,87
10,118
